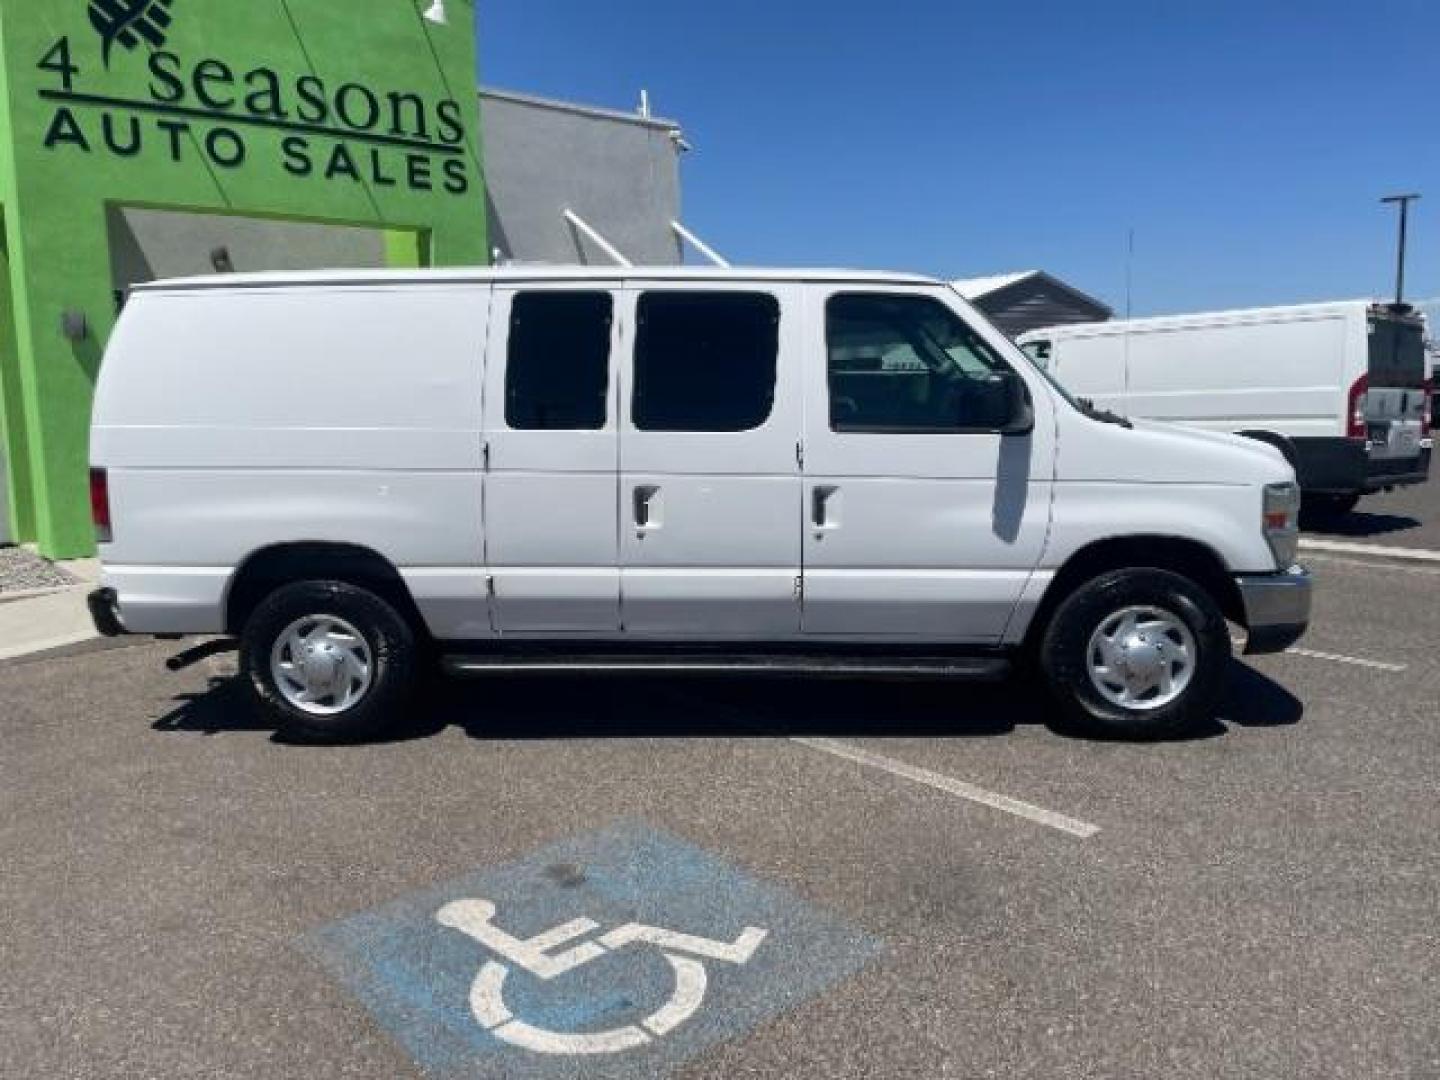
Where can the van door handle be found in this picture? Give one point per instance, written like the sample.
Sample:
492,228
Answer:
822,503
647,518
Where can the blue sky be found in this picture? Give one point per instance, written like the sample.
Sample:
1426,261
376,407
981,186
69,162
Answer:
1246,144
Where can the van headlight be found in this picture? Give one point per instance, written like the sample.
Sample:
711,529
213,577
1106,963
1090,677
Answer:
1282,522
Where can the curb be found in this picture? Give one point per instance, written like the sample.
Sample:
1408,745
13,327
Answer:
44,620
86,647
46,646
34,594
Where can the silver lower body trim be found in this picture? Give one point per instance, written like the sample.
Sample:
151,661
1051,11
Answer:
777,665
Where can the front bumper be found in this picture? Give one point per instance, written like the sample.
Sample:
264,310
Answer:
105,612
1277,608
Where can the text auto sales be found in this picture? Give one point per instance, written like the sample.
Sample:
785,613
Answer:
345,133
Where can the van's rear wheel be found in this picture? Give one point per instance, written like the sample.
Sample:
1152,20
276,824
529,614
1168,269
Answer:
327,661
1138,653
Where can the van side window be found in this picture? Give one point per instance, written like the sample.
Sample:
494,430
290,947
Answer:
705,361
908,364
558,369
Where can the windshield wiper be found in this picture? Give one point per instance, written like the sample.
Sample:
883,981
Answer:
1105,416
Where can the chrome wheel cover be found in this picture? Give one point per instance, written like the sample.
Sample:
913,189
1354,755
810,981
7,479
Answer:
1142,658
322,665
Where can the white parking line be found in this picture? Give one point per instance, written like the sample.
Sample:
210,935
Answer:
1353,661
1334,658
951,786
1389,568
1382,551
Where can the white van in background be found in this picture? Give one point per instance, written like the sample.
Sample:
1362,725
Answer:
803,473
1342,388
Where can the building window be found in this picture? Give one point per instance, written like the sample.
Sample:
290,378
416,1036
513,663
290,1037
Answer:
558,374
705,361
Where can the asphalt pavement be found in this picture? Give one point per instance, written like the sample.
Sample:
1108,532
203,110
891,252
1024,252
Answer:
941,883
1408,517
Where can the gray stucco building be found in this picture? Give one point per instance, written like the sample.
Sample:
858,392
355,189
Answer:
617,173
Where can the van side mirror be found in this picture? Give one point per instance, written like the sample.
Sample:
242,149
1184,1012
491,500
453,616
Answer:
1019,407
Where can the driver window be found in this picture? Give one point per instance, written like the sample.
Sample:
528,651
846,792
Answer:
908,364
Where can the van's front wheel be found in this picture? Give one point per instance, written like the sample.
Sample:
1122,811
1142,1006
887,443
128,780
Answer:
1138,653
327,661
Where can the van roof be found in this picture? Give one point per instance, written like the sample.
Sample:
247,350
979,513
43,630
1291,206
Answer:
1199,319
506,274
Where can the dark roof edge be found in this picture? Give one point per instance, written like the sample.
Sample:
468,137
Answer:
1056,283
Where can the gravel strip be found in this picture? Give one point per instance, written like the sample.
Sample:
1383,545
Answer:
21,570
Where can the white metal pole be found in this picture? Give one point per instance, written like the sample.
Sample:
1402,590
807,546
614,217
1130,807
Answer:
595,238
699,245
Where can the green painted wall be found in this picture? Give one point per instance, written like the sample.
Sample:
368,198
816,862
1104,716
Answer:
355,112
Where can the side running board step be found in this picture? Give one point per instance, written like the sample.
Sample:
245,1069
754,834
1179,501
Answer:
973,669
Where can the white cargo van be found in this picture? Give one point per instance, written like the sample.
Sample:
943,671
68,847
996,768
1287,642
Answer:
1341,388
798,473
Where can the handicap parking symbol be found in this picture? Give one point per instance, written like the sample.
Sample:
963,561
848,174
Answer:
473,917
622,953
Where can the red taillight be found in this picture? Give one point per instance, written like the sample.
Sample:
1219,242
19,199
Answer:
1355,426
100,504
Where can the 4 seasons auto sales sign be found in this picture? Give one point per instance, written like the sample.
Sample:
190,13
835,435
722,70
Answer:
214,108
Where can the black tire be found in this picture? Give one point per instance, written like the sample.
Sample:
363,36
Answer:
388,636
1327,508
1064,659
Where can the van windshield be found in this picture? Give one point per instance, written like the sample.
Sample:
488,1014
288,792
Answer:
1397,354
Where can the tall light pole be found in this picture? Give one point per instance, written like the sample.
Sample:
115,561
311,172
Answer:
1403,201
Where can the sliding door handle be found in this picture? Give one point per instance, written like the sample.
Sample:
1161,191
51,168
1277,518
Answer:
647,509
824,507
